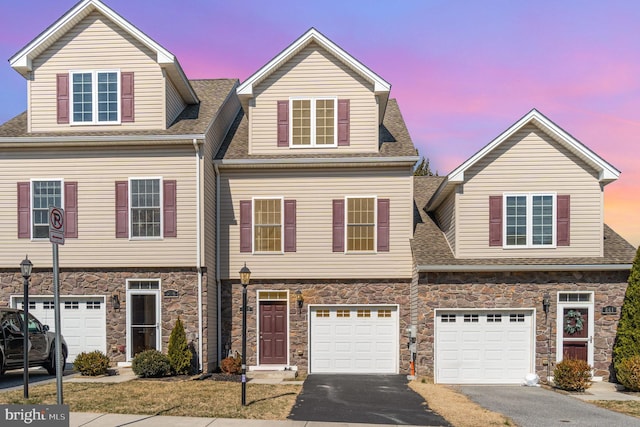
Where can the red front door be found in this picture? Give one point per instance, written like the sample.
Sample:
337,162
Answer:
575,338
273,332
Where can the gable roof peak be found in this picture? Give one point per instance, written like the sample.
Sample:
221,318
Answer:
22,61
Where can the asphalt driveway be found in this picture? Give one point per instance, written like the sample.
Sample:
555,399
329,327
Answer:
536,406
372,399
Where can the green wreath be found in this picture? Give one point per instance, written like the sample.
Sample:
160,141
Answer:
573,322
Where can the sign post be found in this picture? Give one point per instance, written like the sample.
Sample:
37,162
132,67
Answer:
56,237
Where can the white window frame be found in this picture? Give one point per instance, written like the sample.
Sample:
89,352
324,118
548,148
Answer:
313,121
253,225
158,295
130,209
375,225
31,194
94,98
529,201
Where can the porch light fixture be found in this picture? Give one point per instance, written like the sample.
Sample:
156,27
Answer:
299,300
546,302
115,301
26,266
245,276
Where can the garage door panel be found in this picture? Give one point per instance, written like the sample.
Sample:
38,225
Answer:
485,347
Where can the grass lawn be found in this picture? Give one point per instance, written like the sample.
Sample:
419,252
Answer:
179,398
628,407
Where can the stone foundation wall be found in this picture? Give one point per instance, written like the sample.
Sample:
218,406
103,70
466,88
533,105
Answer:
348,292
109,282
522,290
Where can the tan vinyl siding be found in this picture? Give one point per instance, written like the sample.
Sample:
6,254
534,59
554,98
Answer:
446,217
314,190
530,161
175,103
300,77
95,171
96,44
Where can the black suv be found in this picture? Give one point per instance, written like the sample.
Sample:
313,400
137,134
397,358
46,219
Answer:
43,347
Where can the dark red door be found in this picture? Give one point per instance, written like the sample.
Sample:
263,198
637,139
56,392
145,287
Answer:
575,334
273,332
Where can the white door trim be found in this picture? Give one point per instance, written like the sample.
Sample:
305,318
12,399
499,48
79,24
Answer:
259,298
589,305
157,293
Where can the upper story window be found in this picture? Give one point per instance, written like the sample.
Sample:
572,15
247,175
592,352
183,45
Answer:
95,97
145,207
267,234
44,194
313,122
529,220
361,223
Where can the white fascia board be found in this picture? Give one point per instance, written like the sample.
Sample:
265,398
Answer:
314,160
521,267
60,141
379,84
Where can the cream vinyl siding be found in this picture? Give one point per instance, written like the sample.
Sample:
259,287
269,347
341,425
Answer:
313,73
96,44
314,190
175,103
530,161
446,217
96,171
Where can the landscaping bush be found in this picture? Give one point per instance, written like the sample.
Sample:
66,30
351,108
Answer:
151,364
232,365
572,375
627,343
628,373
179,353
92,364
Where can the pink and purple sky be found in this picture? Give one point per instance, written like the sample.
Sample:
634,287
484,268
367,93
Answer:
462,71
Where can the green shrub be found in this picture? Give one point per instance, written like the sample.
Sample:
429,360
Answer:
627,343
151,364
231,365
572,375
179,353
92,364
628,373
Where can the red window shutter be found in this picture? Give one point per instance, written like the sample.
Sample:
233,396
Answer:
169,208
245,226
383,225
62,98
563,213
71,210
122,209
24,210
338,225
343,122
126,97
283,123
289,225
495,220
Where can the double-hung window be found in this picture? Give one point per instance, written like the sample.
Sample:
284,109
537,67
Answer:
44,194
361,223
529,220
267,225
146,215
313,122
95,97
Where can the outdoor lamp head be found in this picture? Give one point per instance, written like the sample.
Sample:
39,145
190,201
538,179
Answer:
546,302
245,275
299,298
25,267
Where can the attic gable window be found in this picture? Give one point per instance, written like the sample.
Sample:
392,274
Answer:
95,97
530,220
313,122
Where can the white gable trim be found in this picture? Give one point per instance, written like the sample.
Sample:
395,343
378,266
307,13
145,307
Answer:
22,61
313,35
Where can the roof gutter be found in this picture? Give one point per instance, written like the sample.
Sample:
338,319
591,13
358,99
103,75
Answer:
521,267
314,161
102,140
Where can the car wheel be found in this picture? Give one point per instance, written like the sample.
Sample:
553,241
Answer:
51,363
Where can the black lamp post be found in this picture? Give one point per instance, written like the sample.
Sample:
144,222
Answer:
25,268
245,276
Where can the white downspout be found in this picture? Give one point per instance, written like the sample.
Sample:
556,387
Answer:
196,146
218,284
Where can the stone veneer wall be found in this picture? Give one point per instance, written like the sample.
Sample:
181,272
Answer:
108,282
522,290
314,292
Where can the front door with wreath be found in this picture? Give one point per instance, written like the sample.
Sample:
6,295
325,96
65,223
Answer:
575,338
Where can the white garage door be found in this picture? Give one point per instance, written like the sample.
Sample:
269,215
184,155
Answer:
483,347
82,320
354,339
